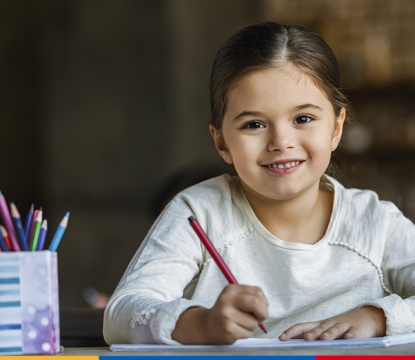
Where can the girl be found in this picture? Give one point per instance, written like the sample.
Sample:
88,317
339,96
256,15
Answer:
316,260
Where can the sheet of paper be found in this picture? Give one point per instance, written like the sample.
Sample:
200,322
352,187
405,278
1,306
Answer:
268,344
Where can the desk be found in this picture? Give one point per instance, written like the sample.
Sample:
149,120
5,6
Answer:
104,351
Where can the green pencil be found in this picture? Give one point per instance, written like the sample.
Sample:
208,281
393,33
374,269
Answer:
36,230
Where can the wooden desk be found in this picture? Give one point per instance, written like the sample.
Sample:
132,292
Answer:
104,351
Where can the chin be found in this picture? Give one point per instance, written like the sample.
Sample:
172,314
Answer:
286,193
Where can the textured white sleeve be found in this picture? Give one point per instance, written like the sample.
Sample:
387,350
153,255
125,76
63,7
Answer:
149,298
398,267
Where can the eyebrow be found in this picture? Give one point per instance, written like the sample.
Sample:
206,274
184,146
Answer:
247,113
258,113
307,106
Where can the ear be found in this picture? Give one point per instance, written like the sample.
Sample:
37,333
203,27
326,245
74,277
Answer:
220,144
338,129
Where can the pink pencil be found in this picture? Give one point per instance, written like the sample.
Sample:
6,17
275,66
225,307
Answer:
8,223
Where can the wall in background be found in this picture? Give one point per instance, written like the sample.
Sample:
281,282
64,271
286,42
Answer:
106,101
373,42
103,102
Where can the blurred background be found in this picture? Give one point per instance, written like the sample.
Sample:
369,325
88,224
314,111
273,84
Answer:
104,105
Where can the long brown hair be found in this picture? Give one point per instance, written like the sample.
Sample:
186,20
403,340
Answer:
269,45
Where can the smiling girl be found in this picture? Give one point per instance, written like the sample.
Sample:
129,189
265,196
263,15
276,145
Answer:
316,260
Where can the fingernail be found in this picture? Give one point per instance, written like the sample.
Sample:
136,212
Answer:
283,335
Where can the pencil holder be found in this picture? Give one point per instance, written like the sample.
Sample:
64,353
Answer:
29,303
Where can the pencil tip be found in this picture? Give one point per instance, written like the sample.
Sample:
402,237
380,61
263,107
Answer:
191,218
15,212
67,214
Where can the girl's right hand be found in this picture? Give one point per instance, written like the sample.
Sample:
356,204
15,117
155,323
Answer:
237,312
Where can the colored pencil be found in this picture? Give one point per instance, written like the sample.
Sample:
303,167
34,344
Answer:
3,245
42,235
28,224
215,255
5,237
32,226
18,226
36,230
59,233
8,223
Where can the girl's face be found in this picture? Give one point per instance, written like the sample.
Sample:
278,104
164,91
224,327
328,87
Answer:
279,130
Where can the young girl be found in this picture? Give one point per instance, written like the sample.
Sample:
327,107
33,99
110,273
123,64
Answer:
316,260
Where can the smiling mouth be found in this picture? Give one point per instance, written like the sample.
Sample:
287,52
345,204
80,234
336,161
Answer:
283,166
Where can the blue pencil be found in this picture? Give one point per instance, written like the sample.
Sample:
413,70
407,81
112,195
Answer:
42,235
17,221
59,233
28,224
3,245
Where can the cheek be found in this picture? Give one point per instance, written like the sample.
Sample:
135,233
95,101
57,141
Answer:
244,150
319,144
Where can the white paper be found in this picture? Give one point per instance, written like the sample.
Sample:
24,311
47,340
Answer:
269,344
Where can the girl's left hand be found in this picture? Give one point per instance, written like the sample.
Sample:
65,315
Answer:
365,322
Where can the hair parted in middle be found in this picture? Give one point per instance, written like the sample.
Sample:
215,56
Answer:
270,45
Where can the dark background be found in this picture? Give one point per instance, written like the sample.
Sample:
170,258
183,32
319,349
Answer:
103,102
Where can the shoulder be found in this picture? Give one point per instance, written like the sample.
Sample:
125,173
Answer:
213,203
363,205
365,222
217,189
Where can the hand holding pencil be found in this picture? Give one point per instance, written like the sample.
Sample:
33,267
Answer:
238,311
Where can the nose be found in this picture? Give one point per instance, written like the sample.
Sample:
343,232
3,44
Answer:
281,138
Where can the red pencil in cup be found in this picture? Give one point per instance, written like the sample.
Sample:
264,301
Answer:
5,214
5,237
215,255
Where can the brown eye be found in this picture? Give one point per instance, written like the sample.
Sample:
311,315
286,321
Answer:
253,125
303,119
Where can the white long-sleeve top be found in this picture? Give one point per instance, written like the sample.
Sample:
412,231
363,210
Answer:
366,257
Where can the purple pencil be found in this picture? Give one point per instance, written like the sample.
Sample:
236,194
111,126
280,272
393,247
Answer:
42,235
8,223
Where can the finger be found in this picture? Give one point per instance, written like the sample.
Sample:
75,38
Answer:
298,330
318,331
246,320
229,314
252,304
335,332
246,289
352,333
232,332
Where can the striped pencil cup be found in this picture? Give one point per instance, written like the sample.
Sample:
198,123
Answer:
29,303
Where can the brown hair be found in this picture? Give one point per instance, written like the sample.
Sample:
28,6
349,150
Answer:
268,45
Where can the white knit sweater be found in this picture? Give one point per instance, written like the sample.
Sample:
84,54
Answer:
367,256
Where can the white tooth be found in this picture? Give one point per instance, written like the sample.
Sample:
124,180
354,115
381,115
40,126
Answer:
293,163
280,166
287,166
275,166
297,163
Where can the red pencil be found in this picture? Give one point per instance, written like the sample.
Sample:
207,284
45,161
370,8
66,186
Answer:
215,255
6,237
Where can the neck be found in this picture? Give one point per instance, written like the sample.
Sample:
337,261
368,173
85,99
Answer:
302,219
